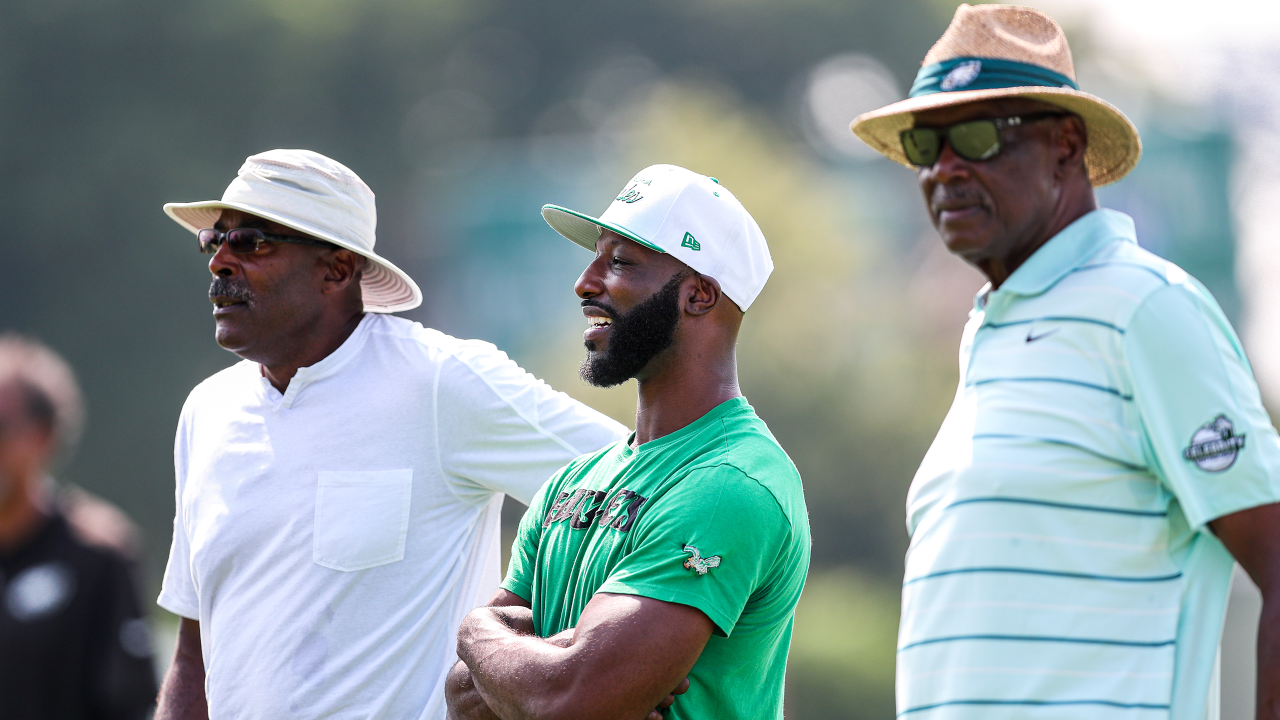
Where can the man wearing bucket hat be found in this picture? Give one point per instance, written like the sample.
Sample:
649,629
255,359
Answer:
680,552
1107,453
339,490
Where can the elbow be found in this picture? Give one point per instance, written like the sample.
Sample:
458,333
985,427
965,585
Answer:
568,701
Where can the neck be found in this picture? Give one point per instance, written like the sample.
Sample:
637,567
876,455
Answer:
681,392
315,347
22,512
1071,207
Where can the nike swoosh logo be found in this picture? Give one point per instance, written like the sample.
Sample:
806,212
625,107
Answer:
1032,338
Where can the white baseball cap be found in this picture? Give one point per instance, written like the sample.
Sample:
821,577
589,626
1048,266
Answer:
687,215
318,196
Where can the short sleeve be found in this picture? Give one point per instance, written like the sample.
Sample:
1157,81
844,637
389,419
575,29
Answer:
709,544
501,429
524,550
1209,437
178,591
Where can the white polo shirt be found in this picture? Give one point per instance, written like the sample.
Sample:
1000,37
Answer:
330,539
1060,563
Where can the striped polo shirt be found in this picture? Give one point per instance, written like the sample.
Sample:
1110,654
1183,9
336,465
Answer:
1060,562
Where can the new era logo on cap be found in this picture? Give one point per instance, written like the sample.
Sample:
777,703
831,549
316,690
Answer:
673,210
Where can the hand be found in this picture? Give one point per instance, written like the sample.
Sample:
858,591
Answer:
462,698
656,713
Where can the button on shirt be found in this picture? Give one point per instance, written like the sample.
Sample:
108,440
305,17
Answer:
1060,563
331,538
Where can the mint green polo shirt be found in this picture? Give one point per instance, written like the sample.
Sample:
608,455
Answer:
1060,563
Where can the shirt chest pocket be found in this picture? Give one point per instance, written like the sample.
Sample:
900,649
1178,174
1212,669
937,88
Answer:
362,518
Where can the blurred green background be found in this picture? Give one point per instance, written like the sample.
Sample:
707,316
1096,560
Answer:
465,117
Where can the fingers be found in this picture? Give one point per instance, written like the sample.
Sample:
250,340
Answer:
681,689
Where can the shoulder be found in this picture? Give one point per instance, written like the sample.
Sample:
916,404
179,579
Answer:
748,468
213,390
475,357
1120,279
229,378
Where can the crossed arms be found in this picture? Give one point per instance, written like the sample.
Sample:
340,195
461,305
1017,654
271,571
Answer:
627,658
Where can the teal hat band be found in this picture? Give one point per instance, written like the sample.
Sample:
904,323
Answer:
973,73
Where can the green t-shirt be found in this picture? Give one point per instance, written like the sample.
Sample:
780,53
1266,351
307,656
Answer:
710,516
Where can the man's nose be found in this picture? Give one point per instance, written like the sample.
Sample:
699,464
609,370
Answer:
949,166
589,283
224,262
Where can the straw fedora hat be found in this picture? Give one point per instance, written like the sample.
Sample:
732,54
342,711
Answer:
321,197
1001,51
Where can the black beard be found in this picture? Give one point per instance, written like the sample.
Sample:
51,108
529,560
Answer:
635,337
234,290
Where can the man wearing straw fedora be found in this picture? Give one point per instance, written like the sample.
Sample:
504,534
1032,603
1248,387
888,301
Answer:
338,491
1074,523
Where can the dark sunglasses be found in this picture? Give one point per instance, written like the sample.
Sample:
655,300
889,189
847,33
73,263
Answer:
246,240
971,140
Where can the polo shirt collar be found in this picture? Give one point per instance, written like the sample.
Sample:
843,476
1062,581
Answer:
1068,250
329,365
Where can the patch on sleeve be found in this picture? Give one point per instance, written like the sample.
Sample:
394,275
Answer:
699,564
1214,446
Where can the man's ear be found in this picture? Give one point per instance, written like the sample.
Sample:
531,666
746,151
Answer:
701,294
1072,138
342,268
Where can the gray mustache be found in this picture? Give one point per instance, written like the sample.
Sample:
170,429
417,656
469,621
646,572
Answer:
222,287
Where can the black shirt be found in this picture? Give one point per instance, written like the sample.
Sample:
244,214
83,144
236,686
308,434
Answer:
73,641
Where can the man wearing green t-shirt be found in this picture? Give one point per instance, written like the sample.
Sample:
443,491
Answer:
669,563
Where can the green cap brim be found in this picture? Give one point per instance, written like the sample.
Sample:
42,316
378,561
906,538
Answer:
585,230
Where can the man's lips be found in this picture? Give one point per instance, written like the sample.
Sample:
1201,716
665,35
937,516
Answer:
598,324
953,211
223,304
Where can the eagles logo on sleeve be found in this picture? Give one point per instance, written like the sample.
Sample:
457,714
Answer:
1214,446
698,563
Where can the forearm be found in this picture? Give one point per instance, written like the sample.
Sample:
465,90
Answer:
1269,659
517,676
182,692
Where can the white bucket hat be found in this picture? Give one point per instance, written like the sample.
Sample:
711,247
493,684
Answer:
690,216
318,196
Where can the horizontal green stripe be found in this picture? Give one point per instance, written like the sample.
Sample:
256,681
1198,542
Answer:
1048,573
1137,266
1107,703
1060,506
1044,638
1054,318
1065,381
1063,443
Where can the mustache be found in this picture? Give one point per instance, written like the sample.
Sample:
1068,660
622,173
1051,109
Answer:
236,290
613,314
947,193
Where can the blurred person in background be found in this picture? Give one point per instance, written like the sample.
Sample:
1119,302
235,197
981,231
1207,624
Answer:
339,490
669,563
74,643
1107,457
